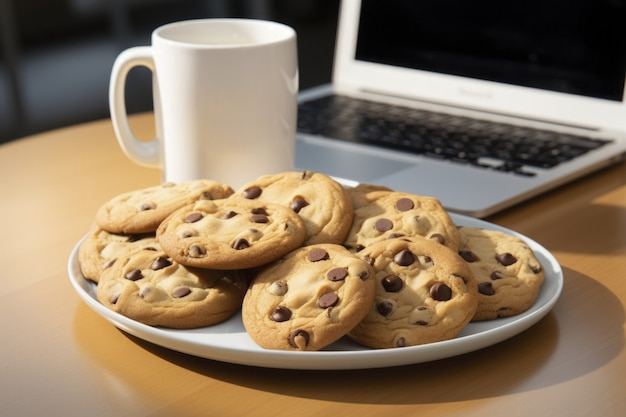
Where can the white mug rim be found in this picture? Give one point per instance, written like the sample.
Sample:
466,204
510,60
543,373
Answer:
274,33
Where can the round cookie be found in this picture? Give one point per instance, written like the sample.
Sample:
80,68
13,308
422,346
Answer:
308,299
233,233
141,211
151,288
388,214
100,248
508,274
322,203
425,293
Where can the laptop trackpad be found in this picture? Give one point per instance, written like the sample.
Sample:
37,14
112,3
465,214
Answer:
346,162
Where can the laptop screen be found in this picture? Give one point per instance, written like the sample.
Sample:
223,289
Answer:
569,46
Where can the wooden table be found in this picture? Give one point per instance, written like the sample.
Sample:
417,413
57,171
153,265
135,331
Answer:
59,358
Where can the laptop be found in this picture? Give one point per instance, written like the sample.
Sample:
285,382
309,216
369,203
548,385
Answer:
530,93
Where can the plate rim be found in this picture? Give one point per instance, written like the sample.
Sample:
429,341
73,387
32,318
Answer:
363,358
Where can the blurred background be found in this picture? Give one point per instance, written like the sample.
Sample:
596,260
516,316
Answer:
56,55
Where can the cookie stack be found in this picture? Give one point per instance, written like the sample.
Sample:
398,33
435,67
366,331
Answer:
306,260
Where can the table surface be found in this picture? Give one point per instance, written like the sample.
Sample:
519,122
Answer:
58,357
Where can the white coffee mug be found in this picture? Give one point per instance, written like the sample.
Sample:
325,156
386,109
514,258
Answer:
225,100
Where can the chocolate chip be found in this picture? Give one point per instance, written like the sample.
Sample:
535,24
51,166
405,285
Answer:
382,225
252,192
437,237
259,210
337,274
280,314
392,283
506,259
259,218
196,251
364,275
206,195
468,256
146,206
440,292
536,268
193,217
404,258
404,204
298,204
240,244
134,275
328,299
181,292
495,275
317,254
114,298
299,338
394,235
401,342
229,215
160,263
384,308
109,264
486,288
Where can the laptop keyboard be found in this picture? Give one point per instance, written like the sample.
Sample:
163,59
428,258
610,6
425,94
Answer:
481,143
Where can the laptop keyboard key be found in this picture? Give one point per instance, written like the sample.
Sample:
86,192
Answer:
442,136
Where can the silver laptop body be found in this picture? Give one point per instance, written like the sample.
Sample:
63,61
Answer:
452,58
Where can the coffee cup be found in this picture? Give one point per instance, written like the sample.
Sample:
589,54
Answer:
225,100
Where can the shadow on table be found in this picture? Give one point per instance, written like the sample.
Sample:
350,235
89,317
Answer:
569,216
571,341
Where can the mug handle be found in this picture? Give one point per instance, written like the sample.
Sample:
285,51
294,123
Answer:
145,153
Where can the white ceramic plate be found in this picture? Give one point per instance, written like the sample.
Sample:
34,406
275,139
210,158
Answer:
228,341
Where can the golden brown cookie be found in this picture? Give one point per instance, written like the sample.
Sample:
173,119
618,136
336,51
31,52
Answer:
388,214
322,203
233,233
100,248
425,293
141,211
151,288
508,273
308,299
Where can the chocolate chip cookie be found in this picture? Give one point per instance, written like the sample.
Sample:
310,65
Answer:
382,215
232,233
508,273
150,287
141,211
100,248
308,299
425,293
322,203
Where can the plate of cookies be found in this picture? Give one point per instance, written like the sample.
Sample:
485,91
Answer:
297,270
